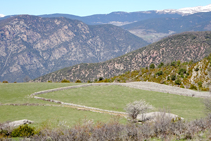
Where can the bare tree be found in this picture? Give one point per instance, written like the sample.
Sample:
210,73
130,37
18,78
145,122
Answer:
137,107
26,79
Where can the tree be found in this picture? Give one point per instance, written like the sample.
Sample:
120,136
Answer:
137,107
152,66
26,79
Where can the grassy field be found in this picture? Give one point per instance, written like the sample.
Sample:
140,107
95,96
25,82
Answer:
19,93
116,97
104,97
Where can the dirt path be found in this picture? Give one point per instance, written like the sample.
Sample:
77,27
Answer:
138,85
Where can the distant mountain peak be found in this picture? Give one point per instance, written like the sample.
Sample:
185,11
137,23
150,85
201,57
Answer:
188,10
1,15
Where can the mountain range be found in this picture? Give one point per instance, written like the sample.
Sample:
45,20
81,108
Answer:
33,46
184,47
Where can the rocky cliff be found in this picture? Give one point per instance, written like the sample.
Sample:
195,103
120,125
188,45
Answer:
184,47
32,46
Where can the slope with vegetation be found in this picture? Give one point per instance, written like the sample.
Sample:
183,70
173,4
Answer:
191,75
184,47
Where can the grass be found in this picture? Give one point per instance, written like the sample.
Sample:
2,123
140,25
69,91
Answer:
41,114
116,98
19,92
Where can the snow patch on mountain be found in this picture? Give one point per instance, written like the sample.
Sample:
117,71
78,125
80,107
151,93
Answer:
187,11
1,15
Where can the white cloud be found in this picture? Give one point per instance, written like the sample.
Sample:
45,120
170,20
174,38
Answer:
1,15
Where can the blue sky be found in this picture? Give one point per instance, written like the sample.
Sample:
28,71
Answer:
90,7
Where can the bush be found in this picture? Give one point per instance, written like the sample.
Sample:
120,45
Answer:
5,81
173,77
200,84
196,69
101,78
23,131
78,81
159,73
178,82
49,81
89,81
65,81
160,65
173,63
152,66
182,71
137,107
193,87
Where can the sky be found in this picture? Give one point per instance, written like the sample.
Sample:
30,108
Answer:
90,7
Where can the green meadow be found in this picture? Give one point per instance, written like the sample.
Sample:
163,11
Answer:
104,97
117,97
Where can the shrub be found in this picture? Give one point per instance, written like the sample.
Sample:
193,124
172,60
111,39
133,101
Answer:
173,77
78,81
23,131
159,73
15,82
89,81
152,66
178,82
101,78
196,69
182,71
65,81
173,63
137,107
193,87
4,81
49,81
160,65
200,84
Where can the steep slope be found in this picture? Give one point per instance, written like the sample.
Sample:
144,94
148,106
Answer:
191,75
153,29
184,47
33,46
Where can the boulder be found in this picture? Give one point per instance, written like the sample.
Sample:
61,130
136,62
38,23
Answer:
17,123
153,116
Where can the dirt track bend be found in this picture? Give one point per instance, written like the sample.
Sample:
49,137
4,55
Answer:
138,85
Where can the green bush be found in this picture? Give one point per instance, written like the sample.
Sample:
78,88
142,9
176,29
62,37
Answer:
78,81
89,81
23,131
193,87
200,84
173,77
101,78
159,73
152,66
5,81
173,63
178,82
65,81
49,81
182,71
160,65
197,69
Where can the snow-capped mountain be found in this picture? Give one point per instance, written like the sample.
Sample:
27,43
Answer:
1,15
188,10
